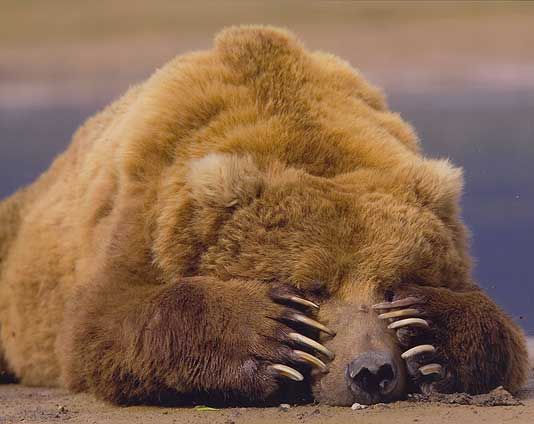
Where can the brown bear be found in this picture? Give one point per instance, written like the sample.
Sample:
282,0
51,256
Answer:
250,219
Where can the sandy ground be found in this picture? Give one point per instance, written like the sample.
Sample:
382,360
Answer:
36,405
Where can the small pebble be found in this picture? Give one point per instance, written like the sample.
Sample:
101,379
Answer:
357,406
285,407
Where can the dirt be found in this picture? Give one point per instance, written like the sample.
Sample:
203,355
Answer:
40,405
497,397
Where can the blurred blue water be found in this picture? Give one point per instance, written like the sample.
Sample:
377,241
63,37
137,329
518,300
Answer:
489,133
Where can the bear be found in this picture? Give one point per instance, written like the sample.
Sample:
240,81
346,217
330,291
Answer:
251,223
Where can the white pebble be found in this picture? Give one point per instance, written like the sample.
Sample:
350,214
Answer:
356,406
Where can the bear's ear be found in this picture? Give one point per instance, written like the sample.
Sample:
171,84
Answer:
439,185
256,42
254,50
224,180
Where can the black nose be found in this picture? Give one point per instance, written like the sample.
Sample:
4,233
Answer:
371,377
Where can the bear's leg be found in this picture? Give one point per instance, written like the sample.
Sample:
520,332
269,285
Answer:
456,341
236,339
5,375
3,364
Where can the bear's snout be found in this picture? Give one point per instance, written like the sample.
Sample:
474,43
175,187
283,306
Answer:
368,367
372,377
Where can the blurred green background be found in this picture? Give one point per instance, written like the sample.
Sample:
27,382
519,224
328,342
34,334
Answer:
461,72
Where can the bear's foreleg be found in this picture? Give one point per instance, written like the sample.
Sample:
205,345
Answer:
5,375
456,341
236,339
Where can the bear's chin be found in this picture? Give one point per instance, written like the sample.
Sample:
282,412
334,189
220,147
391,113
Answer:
333,394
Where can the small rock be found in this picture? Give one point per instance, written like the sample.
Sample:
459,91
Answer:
285,407
357,406
62,409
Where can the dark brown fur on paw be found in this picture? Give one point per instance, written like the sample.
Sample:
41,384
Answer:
269,341
408,318
454,341
294,337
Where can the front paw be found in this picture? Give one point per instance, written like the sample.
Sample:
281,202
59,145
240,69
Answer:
280,344
422,340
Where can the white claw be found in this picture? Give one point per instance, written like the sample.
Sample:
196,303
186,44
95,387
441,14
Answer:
407,301
417,350
288,372
303,302
400,313
311,343
416,322
430,369
312,323
310,359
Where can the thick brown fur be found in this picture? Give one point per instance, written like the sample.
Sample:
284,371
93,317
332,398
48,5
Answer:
141,264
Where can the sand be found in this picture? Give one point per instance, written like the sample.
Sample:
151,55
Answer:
40,405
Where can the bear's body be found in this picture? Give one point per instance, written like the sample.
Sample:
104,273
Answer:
155,257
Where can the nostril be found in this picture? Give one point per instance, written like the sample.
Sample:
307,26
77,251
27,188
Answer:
365,380
374,382
385,376
372,374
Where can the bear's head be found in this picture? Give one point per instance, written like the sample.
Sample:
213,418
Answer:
347,242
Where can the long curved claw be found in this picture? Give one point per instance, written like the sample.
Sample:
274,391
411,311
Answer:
312,323
299,338
430,369
416,322
311,360
288,372
410,312
417,350
407,301
303,302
